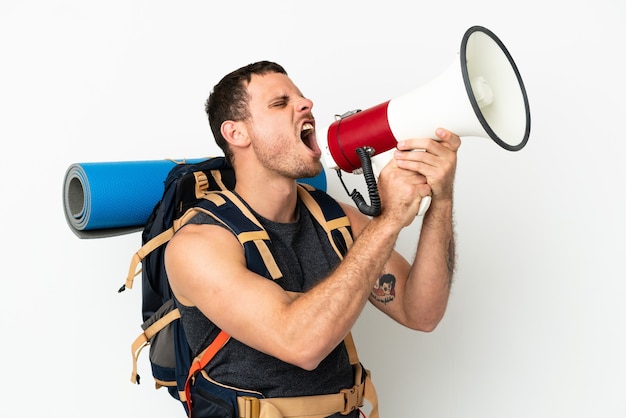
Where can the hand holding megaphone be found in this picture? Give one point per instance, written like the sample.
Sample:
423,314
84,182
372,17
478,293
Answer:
480,95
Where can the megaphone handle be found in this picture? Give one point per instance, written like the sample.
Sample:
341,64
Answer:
372,187
368,172
424,205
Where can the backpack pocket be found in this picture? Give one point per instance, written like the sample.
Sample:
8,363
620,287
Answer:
210,399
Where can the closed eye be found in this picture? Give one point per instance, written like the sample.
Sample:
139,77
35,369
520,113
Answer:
280,102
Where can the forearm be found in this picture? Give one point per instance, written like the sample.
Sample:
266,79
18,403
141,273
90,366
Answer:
333,306
437,240
430,277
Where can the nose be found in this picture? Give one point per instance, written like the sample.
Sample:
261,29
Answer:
304,105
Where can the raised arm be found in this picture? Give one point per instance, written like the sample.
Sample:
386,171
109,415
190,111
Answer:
416,295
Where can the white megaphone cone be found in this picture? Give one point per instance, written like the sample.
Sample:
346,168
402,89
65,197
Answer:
481,94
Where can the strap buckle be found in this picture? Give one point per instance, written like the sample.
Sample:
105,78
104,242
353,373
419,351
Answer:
251,407
350,400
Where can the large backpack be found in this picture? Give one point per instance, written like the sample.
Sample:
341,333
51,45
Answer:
205,187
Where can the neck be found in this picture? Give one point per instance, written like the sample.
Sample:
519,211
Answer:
274,199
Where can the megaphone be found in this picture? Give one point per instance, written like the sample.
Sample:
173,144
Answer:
481,94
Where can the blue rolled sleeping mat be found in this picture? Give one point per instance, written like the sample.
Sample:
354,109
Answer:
106,199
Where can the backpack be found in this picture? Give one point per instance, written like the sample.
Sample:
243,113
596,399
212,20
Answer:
206,187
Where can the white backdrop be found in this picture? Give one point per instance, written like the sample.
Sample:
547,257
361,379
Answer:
535,326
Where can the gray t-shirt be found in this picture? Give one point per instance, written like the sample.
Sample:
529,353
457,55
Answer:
304,256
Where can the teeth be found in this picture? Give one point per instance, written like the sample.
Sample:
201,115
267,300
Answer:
307,128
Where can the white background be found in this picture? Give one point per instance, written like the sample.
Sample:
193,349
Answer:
535,326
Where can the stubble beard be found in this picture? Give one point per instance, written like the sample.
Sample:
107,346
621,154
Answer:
287,164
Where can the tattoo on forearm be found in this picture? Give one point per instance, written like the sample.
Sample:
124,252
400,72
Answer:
385,289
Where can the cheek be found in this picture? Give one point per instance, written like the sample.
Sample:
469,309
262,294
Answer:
271,132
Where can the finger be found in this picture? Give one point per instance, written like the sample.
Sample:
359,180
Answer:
432,146
448,138
414,144
415,158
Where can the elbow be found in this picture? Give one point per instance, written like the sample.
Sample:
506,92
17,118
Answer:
309,364
426,319
425,324
306,353
305,359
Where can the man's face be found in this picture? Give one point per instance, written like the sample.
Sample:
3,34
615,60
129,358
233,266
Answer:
282,127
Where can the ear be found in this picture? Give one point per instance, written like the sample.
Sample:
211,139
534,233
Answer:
235,133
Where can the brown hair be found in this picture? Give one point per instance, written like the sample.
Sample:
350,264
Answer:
229,99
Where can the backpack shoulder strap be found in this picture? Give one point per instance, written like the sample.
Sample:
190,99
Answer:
329,214
226,208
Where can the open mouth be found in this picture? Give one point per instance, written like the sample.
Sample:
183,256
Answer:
306,135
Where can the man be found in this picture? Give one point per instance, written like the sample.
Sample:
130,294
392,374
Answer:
283,346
